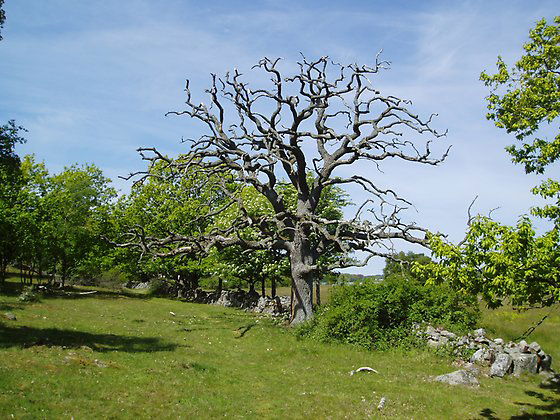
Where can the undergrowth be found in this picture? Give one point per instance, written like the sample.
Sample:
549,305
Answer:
381,315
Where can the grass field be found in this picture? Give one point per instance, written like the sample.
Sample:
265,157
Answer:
113,356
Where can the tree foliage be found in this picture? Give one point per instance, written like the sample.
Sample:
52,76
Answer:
500,262
381,314
401,264
51,224
514,262
527,95
11,182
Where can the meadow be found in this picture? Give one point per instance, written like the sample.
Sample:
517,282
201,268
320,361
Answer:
112,355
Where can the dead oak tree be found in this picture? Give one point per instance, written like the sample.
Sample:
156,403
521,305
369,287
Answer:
305,129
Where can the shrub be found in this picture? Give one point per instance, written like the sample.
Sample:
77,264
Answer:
379,315
159,287
113,278
29,294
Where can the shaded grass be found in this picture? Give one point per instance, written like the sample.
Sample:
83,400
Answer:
120,357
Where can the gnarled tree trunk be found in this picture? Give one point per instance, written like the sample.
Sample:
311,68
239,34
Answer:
303,273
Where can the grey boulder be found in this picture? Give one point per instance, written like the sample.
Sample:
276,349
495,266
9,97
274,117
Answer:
524,363
459,377
10,316
501,365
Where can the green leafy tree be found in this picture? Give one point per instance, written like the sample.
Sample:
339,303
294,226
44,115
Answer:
72,199
514,262
258,266
11,182
527,96
402,263
166,201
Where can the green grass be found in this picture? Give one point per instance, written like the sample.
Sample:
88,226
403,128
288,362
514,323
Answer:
113,356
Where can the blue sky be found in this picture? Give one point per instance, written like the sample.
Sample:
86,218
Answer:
91,81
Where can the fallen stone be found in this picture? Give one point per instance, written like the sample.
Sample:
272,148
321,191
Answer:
459,377
499,341
430,330
10,316
433,343
481,332
524,363
478,356
381,404
448,334
464,340
501,365
535,347
523,347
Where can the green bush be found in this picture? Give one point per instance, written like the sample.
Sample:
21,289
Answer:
112,278
29,294
159,287
380,315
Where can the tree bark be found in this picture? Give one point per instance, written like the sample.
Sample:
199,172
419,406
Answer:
301,265
273,286
263,287
317,292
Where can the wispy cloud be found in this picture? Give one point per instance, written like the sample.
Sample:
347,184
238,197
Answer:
92,80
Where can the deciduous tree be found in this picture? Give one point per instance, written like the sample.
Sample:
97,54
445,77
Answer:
321,119
514,262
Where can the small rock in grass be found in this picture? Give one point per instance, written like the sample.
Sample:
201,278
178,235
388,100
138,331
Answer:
10,316
433,343
430,330
478,356
459,377
523,347
448,334
99,363
381,404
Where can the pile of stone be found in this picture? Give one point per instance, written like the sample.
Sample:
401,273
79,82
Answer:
138,285
502,358
237,299
277,306
250,301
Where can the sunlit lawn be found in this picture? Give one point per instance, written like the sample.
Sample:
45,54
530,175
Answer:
111,356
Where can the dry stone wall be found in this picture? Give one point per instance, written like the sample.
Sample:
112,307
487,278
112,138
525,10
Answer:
501,357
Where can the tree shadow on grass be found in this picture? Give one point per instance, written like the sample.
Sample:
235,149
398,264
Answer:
11,288
550,407
6,307
550,402
53,337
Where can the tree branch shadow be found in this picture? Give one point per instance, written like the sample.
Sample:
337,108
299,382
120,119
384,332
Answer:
550,399
25,337
551,403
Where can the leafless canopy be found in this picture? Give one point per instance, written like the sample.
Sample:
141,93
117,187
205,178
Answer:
318,120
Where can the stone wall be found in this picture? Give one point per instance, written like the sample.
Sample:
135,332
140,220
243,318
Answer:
501,357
